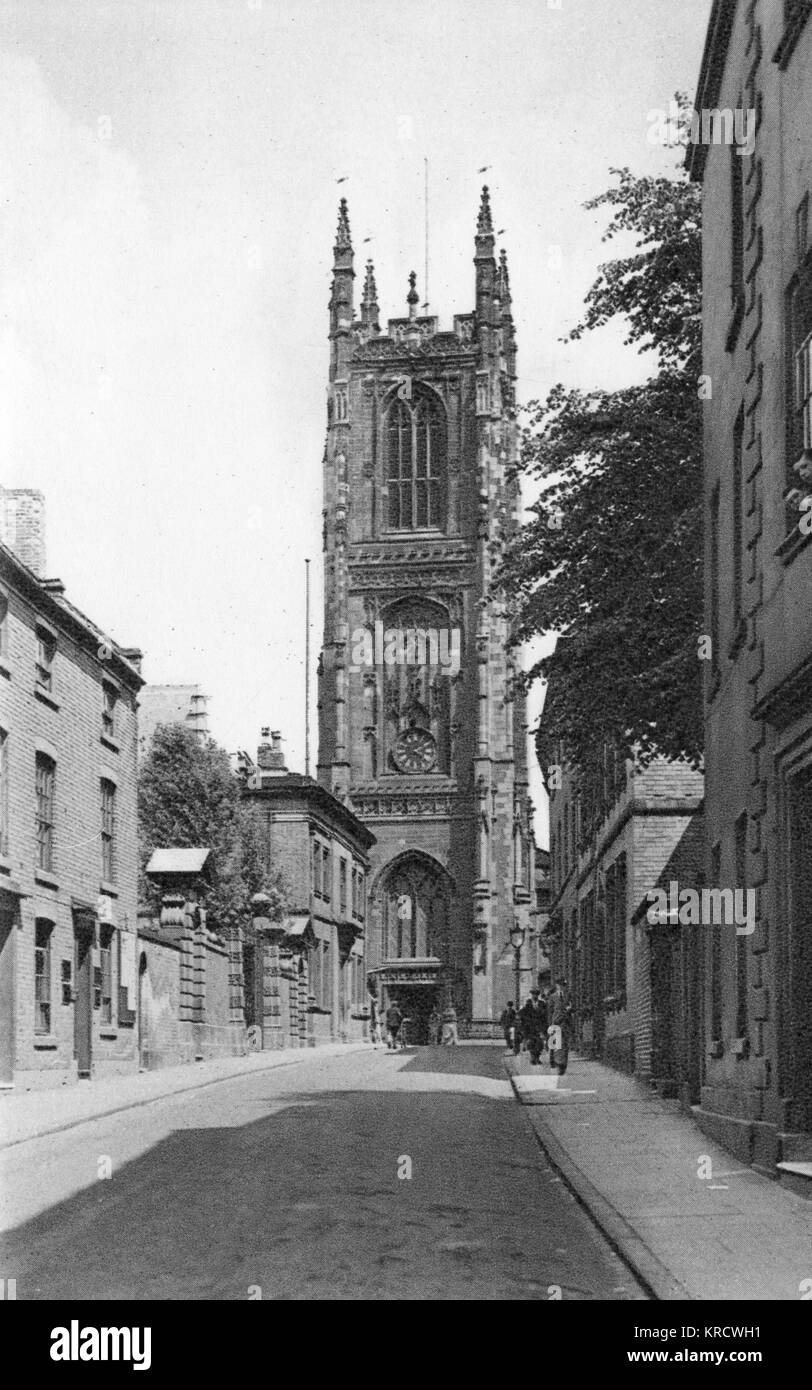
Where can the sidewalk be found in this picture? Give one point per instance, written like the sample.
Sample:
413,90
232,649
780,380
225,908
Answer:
34,1113
634,1161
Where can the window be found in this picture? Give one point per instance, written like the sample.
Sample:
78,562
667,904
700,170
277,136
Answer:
342,886
799,387
106,966
46,651
736,225
3,625
109,699
326,874
45,786
738,519
714,578
108,830
315,849
4,781
415,446
716,955
741,941
42,977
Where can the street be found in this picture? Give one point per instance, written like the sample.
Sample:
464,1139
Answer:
294,1183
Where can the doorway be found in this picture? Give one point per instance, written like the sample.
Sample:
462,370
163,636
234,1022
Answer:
83,1002
416,1003
7,919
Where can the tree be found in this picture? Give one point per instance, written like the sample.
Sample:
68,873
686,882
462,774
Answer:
188,796
612,557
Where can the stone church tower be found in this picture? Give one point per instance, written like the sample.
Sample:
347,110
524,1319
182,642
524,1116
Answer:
421,727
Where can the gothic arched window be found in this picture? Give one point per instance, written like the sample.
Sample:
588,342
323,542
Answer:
415,903
416,464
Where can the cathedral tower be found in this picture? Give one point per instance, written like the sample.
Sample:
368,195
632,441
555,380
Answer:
421,726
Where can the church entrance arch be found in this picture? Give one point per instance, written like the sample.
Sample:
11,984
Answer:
414,899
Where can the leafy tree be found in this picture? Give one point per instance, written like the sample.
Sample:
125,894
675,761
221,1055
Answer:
189,797
612,557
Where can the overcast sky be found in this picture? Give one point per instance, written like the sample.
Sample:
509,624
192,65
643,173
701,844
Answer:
168,191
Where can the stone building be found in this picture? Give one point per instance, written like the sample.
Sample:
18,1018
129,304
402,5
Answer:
421,727
305,976
171,704
617,833
68,835
757,273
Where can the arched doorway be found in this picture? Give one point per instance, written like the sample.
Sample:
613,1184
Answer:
413,949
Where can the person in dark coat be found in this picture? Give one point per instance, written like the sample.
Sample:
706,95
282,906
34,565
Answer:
508,1024
559,1016
533,1021
394,1019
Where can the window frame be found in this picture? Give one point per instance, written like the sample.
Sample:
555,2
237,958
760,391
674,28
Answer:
45,817
106,935
43,983
5,609
5,781
45,660
109,720
107,807
420,468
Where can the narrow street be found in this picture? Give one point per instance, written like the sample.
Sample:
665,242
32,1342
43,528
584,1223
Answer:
286,1181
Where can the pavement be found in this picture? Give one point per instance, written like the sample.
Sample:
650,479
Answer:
689,1220
28,1114
360,1174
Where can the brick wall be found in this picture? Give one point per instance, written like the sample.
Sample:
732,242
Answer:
65,723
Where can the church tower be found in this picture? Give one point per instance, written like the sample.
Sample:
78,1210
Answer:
421,724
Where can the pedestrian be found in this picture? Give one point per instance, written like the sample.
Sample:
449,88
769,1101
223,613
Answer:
533,1019
450,1037
374,1021
394,1019
508,1024
559,1027
434,1027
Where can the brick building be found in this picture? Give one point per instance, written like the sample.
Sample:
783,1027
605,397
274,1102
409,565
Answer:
305,977
68,834
617,833
421,728
757,272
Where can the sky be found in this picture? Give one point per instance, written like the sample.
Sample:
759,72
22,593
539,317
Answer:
169,181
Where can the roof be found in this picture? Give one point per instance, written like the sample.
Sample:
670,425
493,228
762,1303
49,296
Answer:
178,861
51,604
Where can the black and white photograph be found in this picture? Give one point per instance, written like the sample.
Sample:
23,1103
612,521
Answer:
406,667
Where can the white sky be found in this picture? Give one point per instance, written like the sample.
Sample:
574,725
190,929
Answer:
168,194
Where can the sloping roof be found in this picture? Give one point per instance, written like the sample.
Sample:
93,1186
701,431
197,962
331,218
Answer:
177,861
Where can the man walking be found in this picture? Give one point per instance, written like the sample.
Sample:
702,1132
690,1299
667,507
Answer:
533,1020
559,1014
394,1019
508,1024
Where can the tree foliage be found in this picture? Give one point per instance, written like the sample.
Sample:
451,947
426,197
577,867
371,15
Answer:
188,797
611,557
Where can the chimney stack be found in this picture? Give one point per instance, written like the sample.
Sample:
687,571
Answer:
22,525
270,758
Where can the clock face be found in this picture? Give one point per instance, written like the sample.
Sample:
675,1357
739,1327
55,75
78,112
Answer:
415,751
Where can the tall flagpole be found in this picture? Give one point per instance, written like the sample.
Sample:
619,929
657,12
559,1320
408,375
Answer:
426,193
307,668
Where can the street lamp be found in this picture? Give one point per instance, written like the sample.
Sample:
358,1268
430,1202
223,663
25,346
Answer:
517,942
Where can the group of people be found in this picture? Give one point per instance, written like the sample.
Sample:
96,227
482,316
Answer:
387,1027
541,1023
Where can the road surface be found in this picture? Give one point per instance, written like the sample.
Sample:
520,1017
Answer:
373,1175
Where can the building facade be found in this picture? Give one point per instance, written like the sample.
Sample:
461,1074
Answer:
304,978
617,833
757,272
421,726
171,704
68,838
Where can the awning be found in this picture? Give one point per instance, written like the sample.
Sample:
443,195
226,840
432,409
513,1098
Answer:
298,929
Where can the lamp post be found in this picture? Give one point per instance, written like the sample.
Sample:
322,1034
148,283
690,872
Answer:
517,942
